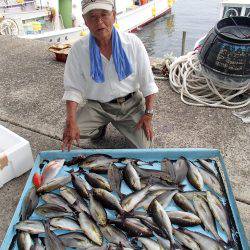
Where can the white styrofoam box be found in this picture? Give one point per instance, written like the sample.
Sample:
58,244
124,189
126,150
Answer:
15,155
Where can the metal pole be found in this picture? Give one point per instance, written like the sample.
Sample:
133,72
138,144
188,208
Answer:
183,47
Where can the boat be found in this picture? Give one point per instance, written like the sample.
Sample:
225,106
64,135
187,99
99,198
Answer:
59,21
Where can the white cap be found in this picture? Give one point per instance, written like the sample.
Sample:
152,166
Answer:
88,5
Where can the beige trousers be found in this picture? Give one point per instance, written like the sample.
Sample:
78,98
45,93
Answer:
123,117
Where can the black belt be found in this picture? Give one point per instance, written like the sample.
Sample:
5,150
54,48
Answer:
120,100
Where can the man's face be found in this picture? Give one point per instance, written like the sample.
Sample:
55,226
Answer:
100,23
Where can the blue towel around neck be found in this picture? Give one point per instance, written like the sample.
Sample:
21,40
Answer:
121,62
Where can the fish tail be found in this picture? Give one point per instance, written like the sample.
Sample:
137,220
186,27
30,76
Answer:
230,243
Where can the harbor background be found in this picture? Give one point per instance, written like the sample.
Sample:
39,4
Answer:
164,35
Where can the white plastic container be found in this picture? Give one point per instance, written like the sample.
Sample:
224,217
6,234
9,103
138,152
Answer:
15,155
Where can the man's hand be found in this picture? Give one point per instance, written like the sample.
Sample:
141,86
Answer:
146,123
71,133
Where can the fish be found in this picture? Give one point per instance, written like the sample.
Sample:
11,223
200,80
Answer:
149,244
97,160
180,170
100,169
81,206
57,200
115,235
51,211
158,186
190,194
148,222
163,243
107,199
183,202
90,229
64,224
132,226
97,181
195,177
211,181
75,160
203,211
97,211
79,185
203,241
75,240
29,204
207,166
115,179
165,198
69,194
145,202
31,226
161,218
54,184
155,174
131,177
24,241
52,242
131,200
51,170
220,214
184,218
38,245
185,240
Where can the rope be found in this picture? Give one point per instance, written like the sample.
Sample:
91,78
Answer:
187,79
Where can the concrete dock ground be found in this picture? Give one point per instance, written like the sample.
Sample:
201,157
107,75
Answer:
30,105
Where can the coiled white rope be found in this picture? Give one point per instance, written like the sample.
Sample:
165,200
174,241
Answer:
186,78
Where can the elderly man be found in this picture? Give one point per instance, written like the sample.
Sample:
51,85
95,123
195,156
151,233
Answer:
111,70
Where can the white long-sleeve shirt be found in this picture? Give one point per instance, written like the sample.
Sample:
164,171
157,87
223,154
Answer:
79,85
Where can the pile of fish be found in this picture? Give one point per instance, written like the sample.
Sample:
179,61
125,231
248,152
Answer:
101,202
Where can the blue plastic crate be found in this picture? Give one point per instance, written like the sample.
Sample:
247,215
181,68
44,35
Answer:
146,155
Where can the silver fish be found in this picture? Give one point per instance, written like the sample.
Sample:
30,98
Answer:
51,170
180,169
29,204
90,229
57,200
211,181
161,218
97,211
181,201
114,235
107,199
131,177
195,177
37,245
69,194
185,239
24,241
115,179
190,194
207,165
203,241
51,210
54,184
131,200
163,243
75,240
149,244
65,224
97,160
219,213
97,181
145,202
31,226
165,198
184,218
205,215
52,242
79,185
